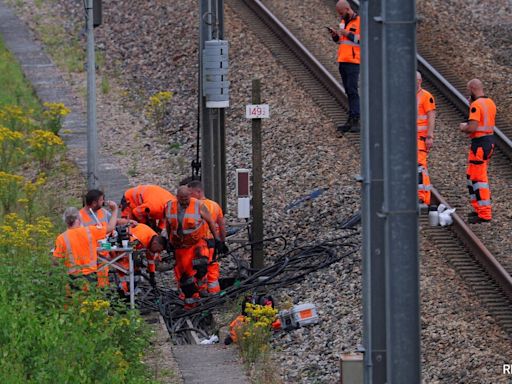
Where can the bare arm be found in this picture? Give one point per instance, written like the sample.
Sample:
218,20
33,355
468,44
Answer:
205,214
113,219
431,117
221,223
469,127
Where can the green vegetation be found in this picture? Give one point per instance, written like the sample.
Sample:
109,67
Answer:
105,84
49,334
13,90
253,339
67,51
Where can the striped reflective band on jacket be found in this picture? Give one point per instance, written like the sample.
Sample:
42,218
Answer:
74,267
195,216
213,284
138,194
91,220
487,128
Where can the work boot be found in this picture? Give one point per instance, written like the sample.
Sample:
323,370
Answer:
472,215
423,207
355,127
477,220
345,127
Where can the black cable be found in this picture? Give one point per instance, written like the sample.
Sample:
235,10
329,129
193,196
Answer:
294,265
290,267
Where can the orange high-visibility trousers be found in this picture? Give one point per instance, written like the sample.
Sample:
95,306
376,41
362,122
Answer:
213,273
480,153
424,186
102,274
184,271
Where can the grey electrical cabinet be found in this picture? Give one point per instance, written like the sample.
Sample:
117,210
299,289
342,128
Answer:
215,73
96,13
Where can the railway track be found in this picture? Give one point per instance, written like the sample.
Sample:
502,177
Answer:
465,251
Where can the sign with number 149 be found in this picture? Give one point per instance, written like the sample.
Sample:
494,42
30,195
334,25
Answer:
257,111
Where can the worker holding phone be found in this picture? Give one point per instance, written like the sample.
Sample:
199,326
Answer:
349,58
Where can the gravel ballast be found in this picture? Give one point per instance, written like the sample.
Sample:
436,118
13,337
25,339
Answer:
151,46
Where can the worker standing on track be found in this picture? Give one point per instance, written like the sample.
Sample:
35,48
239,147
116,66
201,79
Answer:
77,245
349,57
146,204
93,213
197,191
480,128
144,238
425,127
185,218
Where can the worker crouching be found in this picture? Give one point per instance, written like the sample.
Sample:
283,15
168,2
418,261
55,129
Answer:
143,238
185,218
146,203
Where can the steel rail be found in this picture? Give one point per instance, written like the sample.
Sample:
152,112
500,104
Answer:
477,248
459,101
453,94
462,231
302,53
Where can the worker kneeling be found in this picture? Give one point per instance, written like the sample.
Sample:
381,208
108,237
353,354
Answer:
143,238
185,218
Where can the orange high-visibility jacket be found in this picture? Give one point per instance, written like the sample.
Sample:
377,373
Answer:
77,247
147,196
350,51
88,219
425,103
483,110
191,229
235,325
143,234
216,214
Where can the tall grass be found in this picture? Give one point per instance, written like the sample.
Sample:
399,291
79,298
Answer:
47,334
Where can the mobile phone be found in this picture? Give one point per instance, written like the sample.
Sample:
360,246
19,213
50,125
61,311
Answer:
329,29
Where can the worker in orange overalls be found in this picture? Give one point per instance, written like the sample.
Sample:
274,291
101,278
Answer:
425,127
480,128
185,217
93,213
142,237
77,245
348,37
197,191
146,204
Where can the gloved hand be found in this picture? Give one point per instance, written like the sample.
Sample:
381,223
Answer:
200,264
225,248
152,279
220,246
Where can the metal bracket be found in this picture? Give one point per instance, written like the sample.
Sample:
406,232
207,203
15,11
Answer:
380,19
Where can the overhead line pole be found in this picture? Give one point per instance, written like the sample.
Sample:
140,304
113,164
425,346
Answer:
400,191
374,279
92,134
213,155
